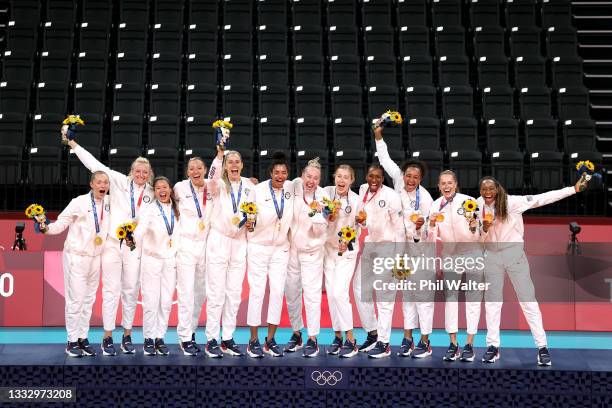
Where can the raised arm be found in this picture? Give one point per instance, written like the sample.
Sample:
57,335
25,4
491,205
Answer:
216,168
523,203
92,163
389,165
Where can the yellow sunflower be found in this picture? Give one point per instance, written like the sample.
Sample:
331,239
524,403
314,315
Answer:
579,164
222,123
396,117
348,233
72,119
28,211
38,209
470,205
121,233
129,227
589,165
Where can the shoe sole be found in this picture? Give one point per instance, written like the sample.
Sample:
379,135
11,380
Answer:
271,353
87,354
231,352
296,348
333,353
349,355
544,364
104,353
124,351
316,353
491,361
149,353
454,358
422,355
69,354
186,353
467,359
382,355
159,353
253,355
365,350
408,354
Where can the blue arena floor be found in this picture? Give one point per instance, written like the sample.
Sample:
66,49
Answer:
439,338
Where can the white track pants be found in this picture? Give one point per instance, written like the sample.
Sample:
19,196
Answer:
225,268
266,263
518,272
305,274
190,287
158,281
365,304
418,305
81,279
120,279
338,275
473,299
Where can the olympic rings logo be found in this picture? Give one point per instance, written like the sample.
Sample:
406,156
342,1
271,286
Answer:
326,377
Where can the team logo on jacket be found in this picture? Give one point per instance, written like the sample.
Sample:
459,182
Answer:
209,196
348,209
246,191
287,195
107,208
146,199
461,211
382,203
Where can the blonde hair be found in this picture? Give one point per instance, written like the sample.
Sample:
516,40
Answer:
347,168
143,160
314,163
224,175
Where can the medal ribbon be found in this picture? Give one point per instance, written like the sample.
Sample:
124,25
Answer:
445,203
169,226
95,212
196,201
279,213
132,198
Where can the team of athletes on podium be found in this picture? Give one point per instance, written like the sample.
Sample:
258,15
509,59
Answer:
191,237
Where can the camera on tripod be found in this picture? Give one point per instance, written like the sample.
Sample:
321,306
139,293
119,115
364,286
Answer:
20,243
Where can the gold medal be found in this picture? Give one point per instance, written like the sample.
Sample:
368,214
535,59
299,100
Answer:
488,217
98,241
235,220
170,243
201,225
414,217
440,217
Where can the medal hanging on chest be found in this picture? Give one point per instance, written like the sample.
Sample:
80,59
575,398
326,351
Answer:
169,225
235,204
281,210
201,224
98,239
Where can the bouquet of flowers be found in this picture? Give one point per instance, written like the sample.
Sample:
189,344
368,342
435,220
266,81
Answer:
70,125
470,207
347,237
249,211
331,209
36,212
126,230
361,218
222,132
314,208
389,118
401,271
586,171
